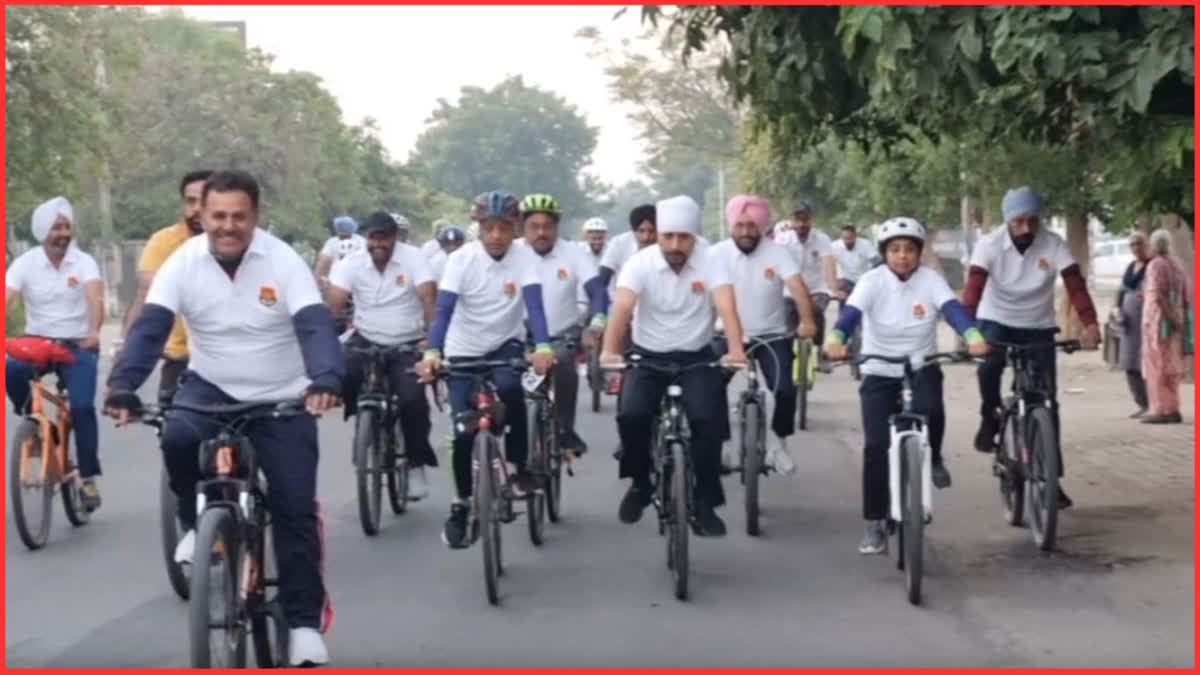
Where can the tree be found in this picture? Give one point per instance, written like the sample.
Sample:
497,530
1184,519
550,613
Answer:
512,137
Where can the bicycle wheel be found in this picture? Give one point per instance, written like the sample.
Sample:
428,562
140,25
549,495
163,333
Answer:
911,481
367,473
72,498
1010,471
486,512
678,536
554,483
535,502
27,448
752,462
395,462
803,383
215,605
267,625
1041,477
171,531
595,379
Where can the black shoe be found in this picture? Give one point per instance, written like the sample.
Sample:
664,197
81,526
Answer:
1064,502
985,437
634,502
454,532
572,443
941,476
706,522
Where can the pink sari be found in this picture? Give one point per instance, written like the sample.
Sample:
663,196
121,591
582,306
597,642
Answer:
1162,350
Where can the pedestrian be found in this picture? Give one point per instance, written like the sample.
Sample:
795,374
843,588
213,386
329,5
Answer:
1166,296
1128,314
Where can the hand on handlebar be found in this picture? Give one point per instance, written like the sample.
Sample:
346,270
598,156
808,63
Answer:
836,352
979,349
541,362
123,406
736,357
428,367
611,359
319,401
806,329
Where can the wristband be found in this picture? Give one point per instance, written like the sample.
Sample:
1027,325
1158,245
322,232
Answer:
431,354
599,321
835,338
543,348
973,336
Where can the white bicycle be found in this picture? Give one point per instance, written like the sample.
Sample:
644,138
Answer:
910,474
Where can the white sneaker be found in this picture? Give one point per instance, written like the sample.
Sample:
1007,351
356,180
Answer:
306,647
186,548
729,457
418,486
781,458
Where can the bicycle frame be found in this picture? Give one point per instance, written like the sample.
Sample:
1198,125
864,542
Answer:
916,427
54,455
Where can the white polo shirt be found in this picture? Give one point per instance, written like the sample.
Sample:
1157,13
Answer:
431,248
674,312
810,256
490,310
240,332
562,272
899,318
852,263
1020,288
758,279
338,248
437,264
387,309
618,251
55,298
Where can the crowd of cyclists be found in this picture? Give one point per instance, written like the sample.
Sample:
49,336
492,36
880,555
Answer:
235,315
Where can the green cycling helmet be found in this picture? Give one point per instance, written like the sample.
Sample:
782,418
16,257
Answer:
539,203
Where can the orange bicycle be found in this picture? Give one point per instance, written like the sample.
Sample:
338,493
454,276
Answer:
42,461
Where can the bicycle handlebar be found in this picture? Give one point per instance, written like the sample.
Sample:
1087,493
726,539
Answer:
243,412
954,357
1068,346
672,369
381,350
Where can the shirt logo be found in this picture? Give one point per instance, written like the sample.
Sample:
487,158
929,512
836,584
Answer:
697,286
919,311
562,274
400,279
769,273
267,296
510,288
72,281
1043,263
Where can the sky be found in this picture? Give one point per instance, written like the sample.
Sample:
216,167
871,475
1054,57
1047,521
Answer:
394,63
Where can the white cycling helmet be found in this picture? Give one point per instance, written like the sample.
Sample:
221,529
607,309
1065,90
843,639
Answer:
900,227
595,225
345,247
400,220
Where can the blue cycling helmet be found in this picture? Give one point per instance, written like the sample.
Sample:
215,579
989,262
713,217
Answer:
452,234
496,204
345,225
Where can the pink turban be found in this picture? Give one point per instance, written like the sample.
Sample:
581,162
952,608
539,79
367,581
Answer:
751,205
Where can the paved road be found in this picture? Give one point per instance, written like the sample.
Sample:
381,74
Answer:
598,593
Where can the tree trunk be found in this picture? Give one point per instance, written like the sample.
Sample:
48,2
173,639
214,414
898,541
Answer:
1077,241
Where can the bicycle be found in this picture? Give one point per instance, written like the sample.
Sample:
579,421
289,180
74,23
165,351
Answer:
910,471
546,458
378,441
44,440
595,378
1027,460
671,475
752,423
804,373
232,523
492,497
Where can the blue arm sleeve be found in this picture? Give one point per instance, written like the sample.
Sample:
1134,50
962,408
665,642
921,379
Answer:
537,313
848,320
597,292
956,315
143,346
443,310
320,348
606,273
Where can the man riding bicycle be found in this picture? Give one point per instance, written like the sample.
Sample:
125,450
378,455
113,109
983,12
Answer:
852,260
813,251
668,291
258,331
1022,259
450,240
759,269
595,235
395,291
488,288
64,300
563,270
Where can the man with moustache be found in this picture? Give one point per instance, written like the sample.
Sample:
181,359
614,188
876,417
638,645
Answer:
759,270
159,247
64,300
813,250
395,289
259,331
668,291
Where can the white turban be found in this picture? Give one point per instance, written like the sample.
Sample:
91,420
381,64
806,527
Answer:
679,215
47,214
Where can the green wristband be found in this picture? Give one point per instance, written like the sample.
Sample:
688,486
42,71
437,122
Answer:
835,338
433,354
973,336
543,348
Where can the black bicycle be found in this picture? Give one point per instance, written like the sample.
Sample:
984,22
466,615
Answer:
752,426
170,528
546,457
671,474
229,598
379,451
1027,457
595,377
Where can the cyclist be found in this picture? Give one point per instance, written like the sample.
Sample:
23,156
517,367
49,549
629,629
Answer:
484,295
345,241
852,262
451,239
258,331
595,233
1022,260
395,288
563,270
431,247
64,300
642,233
161,245
758,269
669,291
899,304
813,250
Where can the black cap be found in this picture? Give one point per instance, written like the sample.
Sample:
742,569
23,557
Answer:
801,206
381,222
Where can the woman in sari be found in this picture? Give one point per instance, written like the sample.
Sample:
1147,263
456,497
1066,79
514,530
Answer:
1166,295
1128,314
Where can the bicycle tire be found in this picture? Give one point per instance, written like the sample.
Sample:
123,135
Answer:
29,431
485,496
554,484
678,540
1043,464
263,614
1011,478
396,461
171,532
911,483
217,524
595,380
855,349
535,501
752,462
72,500
367,475
802,384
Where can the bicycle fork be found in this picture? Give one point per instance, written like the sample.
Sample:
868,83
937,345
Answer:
895,461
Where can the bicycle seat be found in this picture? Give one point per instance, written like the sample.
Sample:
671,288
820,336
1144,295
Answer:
42,353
